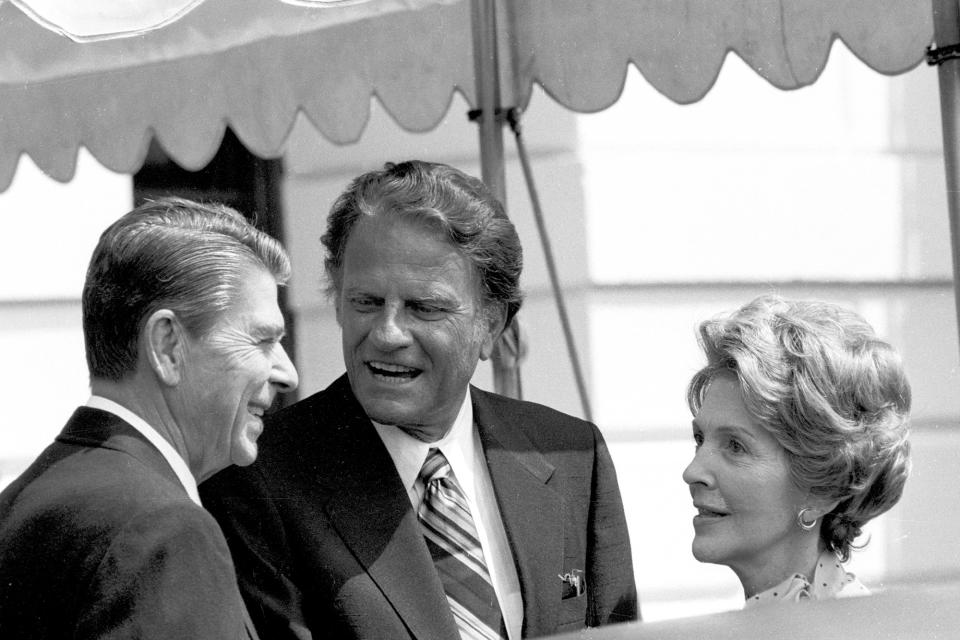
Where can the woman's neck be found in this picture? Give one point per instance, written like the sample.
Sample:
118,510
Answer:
765,572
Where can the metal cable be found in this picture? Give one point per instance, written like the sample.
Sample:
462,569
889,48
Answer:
513,118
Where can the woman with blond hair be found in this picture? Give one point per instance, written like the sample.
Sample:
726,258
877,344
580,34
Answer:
800,426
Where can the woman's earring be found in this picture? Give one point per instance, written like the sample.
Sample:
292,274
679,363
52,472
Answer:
806,525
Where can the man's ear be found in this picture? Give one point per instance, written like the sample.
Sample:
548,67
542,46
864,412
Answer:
495,322
163,343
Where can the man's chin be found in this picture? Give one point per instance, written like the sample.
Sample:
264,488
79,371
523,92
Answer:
422,432
394,411
245,455
410,422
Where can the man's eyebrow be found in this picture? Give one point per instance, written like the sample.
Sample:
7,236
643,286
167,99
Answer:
269,331
353,290
433,297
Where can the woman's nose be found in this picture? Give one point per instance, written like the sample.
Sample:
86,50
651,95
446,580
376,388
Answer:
698,471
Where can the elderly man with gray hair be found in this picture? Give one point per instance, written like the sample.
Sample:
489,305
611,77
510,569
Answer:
402,502
104,534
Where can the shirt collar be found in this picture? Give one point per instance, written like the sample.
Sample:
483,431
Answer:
458,446
176,462
829,578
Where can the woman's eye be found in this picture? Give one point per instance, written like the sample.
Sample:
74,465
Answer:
697,440
736,446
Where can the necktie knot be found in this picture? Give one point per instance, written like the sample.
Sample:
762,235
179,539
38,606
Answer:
435,467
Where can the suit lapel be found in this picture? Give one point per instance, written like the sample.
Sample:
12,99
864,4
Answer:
531,512
371,512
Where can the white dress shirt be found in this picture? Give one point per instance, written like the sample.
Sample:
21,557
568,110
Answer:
462,449
177,463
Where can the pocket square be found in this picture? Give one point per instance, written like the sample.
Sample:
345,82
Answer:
574,584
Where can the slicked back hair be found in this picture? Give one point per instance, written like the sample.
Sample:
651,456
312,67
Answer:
169,253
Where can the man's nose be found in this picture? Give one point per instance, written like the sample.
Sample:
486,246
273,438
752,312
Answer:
391,330
284,374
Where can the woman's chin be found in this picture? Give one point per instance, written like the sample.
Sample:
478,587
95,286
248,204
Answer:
704,552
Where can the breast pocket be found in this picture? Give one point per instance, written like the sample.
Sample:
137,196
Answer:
572,614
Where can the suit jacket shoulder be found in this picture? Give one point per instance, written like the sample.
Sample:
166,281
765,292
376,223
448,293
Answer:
539,422
558,494
98,534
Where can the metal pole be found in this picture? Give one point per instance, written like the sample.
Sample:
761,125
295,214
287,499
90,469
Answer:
487,73
508,351
946,28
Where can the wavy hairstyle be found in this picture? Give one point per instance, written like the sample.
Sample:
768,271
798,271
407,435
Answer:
168,253
459,206
835,396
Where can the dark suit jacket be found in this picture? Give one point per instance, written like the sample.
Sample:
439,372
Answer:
327,544
98,539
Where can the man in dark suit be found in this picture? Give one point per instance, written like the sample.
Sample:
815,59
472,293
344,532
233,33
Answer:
401,502
104,536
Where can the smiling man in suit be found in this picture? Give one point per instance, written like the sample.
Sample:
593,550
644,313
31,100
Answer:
104,536
401,502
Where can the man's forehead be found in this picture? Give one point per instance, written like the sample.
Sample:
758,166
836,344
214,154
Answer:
255,308
379,224
404,287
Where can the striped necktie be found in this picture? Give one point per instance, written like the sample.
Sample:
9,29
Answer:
452,539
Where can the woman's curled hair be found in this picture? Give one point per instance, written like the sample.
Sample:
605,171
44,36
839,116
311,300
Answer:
834,395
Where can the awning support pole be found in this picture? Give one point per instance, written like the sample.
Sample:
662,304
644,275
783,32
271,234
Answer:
507,354
946,28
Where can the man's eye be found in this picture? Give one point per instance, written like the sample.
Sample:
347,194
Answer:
427,311
363,304
697,440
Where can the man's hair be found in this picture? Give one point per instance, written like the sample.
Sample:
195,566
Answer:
836,397
457,205
169,253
